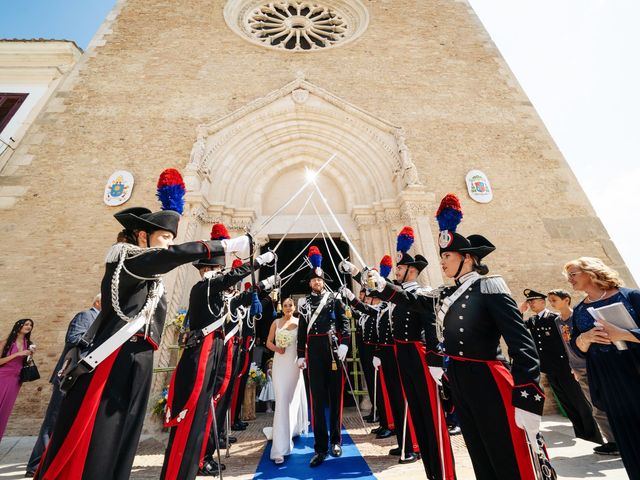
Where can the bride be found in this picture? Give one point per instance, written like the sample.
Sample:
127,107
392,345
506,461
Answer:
290,418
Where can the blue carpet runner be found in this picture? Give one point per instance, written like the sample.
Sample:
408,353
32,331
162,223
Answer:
350,465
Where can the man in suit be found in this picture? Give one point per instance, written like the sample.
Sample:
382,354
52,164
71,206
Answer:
76,330
554,362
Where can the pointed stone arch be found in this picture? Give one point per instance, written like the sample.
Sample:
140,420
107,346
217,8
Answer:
239,159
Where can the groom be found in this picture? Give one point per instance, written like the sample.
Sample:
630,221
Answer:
323,338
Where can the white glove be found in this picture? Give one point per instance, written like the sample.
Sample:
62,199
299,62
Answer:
375,281
268,283
212,274
265,258
347,267
344,291
436,373
238,244
529,422
302,363
342,352
376,362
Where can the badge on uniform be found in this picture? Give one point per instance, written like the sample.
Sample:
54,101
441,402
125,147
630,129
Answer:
445,239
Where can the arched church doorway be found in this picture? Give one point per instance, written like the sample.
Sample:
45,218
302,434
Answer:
246,165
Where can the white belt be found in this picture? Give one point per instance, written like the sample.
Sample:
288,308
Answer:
114,342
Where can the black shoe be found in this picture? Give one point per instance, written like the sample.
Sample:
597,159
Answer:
29,474
317,459
232,439
377,430
454,430
409,458
244,424
384,433
609,448
368,418
210,468
336,450
238,427
395,451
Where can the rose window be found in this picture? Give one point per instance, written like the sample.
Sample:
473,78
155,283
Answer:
296,25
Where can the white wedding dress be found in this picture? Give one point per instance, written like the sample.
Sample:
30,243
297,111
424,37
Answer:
291,417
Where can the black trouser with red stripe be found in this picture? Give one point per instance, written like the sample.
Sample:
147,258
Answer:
393,397
428,420
366,357
222,389
481,393
241,380
326,386
182,456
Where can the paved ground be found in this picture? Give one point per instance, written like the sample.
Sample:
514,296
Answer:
573,459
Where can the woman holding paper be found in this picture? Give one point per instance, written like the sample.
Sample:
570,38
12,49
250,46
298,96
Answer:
611,345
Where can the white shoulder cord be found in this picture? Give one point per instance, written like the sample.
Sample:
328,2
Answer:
219,314
153,297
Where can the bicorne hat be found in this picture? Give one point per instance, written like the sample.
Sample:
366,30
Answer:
403,244
170,192
315,258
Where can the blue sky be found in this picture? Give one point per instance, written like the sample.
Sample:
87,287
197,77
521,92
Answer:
76,20
577,60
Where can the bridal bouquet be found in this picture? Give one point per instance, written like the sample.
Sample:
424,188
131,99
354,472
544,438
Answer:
284,338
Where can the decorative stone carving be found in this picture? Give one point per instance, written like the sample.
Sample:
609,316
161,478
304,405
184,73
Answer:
407,169
198,149
297,25
300,95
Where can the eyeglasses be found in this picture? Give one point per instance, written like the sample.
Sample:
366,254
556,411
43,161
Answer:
573,274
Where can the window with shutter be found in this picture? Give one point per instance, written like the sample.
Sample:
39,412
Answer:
9,104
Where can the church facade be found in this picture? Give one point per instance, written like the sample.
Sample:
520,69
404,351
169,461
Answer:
244,97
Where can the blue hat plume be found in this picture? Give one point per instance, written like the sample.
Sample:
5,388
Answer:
171,190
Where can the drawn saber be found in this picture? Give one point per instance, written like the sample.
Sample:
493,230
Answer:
375,391
440,445
404,430
346,374
335,219
308,182
215,433
227,455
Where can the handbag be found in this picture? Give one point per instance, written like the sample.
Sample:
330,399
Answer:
29,371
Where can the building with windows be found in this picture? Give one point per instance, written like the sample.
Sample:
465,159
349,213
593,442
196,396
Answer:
30,71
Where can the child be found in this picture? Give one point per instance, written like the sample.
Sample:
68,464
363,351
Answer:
267,394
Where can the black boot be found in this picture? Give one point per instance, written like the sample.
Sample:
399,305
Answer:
408,458
317,459
210,467
336,450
